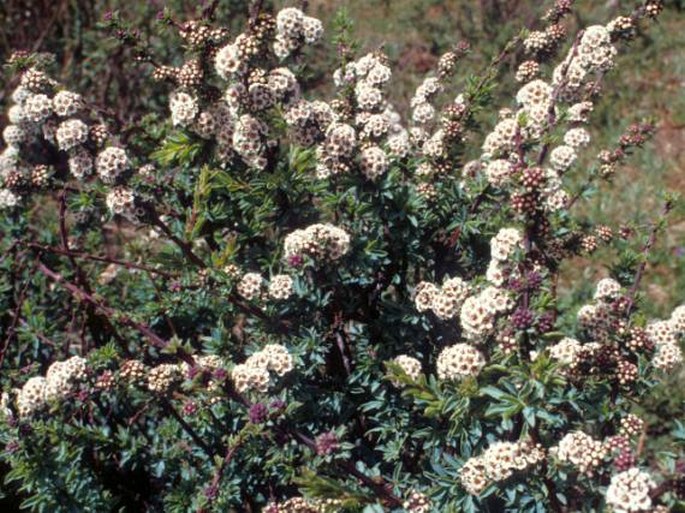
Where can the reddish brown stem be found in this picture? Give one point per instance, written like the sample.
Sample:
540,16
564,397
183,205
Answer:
104,259
109,312
15,319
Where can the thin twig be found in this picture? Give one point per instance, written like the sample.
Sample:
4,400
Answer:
15,319
647,248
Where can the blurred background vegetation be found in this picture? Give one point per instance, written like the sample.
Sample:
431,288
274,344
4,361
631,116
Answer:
649,83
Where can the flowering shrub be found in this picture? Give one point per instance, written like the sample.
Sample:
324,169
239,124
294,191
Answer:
261,301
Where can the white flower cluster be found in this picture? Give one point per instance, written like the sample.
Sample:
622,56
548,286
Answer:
31,397
578,112
677,320
61,378
661,332
423,112
8,199
250,286
253,374
280,287
629,491
581,451
184,108
370,123
293,29
318,241
497,463
538,102
410,365
38,115
417,502
607,289
577,137
5,410
562,158
61,120
302,505
111,164
502,139
479,312
535,101
235,122
249,140
565,351
459,361
373,162
71,133
502,248
499,172
666,335
594,53
308,121
121,200
445,301
80,163
595,318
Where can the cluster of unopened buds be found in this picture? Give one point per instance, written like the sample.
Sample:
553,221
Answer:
610,159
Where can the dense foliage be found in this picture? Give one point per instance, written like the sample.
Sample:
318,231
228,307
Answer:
251,299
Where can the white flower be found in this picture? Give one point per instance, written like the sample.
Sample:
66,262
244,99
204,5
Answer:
629,491
184,108
8,199
71,133
577,137
459,361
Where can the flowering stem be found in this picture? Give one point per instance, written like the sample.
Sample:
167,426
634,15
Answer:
551,114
